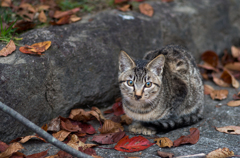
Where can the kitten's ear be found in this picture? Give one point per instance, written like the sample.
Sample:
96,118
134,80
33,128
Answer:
156,65
125,62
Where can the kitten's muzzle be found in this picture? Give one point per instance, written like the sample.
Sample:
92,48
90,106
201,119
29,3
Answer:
137,97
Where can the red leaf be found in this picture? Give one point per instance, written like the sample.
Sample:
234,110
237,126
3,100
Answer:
134,144
109,138
87,128
3,146
109,111
210,57
63,154
38,155
67,125
118,109
88,151
192,138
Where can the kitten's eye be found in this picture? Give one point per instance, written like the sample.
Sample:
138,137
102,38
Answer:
130,83
148,84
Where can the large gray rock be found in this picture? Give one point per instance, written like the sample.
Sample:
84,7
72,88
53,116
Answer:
80,68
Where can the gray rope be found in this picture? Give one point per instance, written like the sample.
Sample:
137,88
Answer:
42,133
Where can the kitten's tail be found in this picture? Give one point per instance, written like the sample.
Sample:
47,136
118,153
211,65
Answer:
169,124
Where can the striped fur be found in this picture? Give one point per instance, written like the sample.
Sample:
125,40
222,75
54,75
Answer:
175,97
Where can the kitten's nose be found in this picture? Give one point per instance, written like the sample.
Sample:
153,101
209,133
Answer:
137,97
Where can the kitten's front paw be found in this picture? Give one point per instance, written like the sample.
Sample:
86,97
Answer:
140,129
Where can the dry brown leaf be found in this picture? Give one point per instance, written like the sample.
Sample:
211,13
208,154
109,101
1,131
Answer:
210,57
192,138
10,47
220,153
26,11
54,125
227,77
163,142
233,66
74,18
125,119
229,129
27,138
234,103
208,89
235,51
42,7
61,135
126,7
219,94
6,3
76,143
207,66
146,9
82,115
36,48
220,82
42,17
63,20
60,14
110,127
102,118
12,148
164,154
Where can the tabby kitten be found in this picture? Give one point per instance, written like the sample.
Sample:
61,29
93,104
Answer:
162,91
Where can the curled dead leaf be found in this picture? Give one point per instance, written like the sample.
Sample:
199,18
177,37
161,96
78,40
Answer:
6,3
208,89
146,9
126,7
36,48
54,125
207,66
82,115
219,94
235,51
76,143
60,14
229,78
210,57
164,154
74,18
12,148
109,138
234,103
192,138
125,119
110,127
233,66
10,47
61,135
220,153
220,82
229,129
163,142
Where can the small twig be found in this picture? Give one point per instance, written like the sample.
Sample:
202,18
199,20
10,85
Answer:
42,133
195,155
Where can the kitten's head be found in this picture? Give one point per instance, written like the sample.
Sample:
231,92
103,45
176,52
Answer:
140,80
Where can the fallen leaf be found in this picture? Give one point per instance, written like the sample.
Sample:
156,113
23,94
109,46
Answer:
118,108
26,11
22,26
42,17
164,154
227,58
126,7
233,66
18,155
45,127
87,128
236,96
109,111
76,143
146,9
126,120
61,135
60,14
229,78
38,155
36,48
109,138
234,103
110,127
3,146
210,57
136,143
26,138
74,18
219,94
220,82
54,125
192,138
63,154
116,119
6,3
220,153
12,148
207,66
42,7
67,125
208,89
163,142
82,115
88,151
235,51
102,118
229,129
10,47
